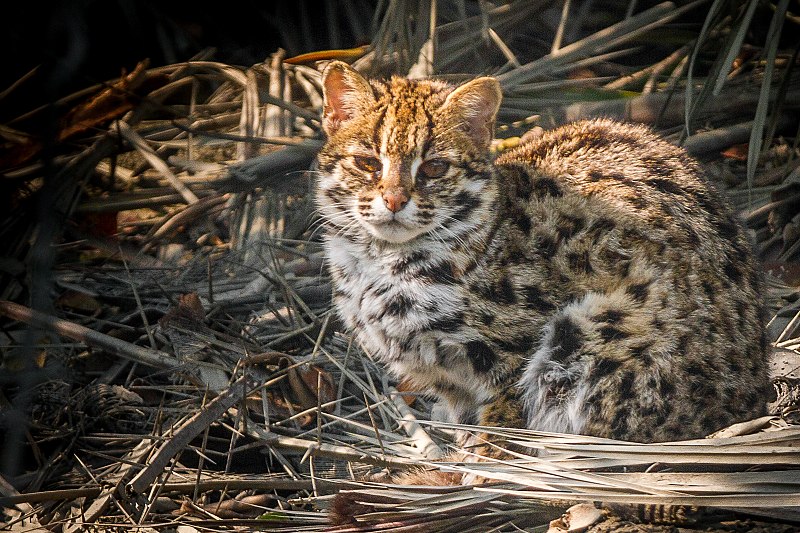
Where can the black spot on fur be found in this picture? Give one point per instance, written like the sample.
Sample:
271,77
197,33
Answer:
626,385
612,316
481,356
638,202
404,264
666,387
487,319
481,289
732,271
523,221
619,425
467,203
639,292
712,423
595,175
710,291
520,344
605,367
580,262
380,290
448,324
569,226
612,333
665,184
505,291
567,339
337,193
543,187
617,176
691,234
600,227
438,273
640,353
399,306
593,140
727,228
683,345
548,246
535,299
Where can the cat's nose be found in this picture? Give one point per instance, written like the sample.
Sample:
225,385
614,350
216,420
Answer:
395,199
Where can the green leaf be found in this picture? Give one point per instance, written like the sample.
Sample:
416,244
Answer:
735,46
756,135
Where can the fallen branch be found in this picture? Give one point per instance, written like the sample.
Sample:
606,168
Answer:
152,157
189,430
71,330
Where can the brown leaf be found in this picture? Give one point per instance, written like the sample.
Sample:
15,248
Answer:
305,386
78,301
106,105
103,224
737,152
16,147
189,309
245,507
311,386
327,55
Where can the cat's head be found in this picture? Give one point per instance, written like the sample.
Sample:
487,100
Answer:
405,158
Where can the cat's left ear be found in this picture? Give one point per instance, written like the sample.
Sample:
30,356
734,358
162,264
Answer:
475,105
346,93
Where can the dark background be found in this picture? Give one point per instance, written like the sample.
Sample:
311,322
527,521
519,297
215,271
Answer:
79,43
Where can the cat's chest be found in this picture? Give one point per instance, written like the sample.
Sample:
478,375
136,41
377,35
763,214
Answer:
390,300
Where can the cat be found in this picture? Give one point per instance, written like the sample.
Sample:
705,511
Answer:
589,281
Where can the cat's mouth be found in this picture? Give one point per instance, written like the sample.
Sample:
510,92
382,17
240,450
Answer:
394,231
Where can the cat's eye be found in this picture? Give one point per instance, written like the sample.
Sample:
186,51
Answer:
434,168
367,163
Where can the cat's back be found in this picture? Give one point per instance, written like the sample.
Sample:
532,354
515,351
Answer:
622,217
636,177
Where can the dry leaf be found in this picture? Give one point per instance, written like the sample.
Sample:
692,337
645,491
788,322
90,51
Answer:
737,152
108,104
78,301
189,308
305,386
578,518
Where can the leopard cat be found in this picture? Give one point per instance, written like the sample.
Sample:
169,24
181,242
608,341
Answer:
589,281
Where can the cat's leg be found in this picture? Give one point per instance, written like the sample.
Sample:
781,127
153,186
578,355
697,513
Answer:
601,368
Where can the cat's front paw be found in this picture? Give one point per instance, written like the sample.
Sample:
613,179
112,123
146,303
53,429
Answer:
348,505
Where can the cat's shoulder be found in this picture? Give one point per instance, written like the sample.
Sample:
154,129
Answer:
624,165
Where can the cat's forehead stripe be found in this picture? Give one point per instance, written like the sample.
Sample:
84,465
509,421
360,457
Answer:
406,123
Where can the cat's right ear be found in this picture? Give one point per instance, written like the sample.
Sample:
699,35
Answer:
346,93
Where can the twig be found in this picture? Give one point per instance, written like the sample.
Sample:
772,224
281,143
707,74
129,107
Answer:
152,157
183,217
139,354
189,430
99,506
719,138
408,421
593,44
311,447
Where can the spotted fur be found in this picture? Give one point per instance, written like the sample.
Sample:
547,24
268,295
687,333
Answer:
590,281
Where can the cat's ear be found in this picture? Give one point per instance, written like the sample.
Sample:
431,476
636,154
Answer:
345,92
475,106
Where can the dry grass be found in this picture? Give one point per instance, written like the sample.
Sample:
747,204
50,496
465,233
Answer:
189,371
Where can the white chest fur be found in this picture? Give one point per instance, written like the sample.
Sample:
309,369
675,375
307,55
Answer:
411,322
